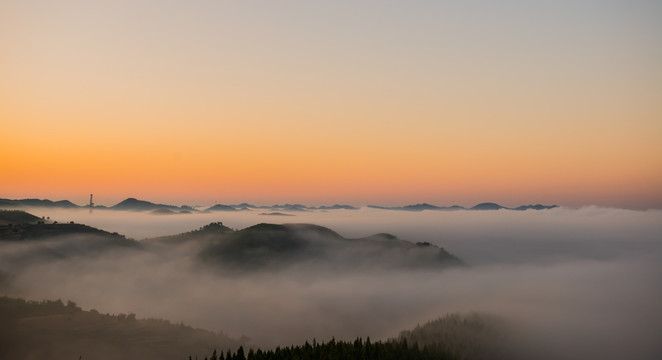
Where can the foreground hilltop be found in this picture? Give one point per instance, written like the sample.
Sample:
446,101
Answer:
54,330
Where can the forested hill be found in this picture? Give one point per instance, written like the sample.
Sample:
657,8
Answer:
341,350
471,336
467,336
273,247
40,230
53,330
11,217
29,244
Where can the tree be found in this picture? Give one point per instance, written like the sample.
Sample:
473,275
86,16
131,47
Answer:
240,354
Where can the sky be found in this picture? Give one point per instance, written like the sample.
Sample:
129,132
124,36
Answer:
371,102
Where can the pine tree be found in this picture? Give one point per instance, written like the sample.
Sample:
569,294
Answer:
240,354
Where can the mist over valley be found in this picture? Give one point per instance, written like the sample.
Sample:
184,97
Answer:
572,281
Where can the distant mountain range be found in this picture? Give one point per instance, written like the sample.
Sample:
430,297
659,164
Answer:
7,203
481,206
133,204
417,207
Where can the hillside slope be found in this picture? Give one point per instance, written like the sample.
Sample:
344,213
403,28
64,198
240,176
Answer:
273,247
8,217
53,330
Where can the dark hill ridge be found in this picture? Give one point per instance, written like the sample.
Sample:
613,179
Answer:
418,207
261,247
31,231
264,245
535,207
30,244
134,204
290,207
269,247
481,206
66,204
272,247
9,204
17,217
487,206
423,206
221,207
276,214
337,207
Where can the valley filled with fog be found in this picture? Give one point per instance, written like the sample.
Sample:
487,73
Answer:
575,282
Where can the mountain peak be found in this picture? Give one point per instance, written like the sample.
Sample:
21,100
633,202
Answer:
134,204
487,206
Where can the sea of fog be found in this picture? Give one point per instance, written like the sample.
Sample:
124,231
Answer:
583,283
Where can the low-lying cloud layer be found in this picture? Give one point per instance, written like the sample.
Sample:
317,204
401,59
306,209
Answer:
582,282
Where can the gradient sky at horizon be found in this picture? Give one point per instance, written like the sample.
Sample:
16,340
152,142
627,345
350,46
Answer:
379,102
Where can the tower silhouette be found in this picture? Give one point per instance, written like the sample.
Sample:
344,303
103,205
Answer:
91,203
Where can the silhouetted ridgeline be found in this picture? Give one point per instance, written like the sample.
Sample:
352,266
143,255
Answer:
133,204
53,330
11,217
481,206
341,350
276,214
31,231
8,203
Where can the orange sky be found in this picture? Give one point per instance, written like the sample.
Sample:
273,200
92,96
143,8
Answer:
332,103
